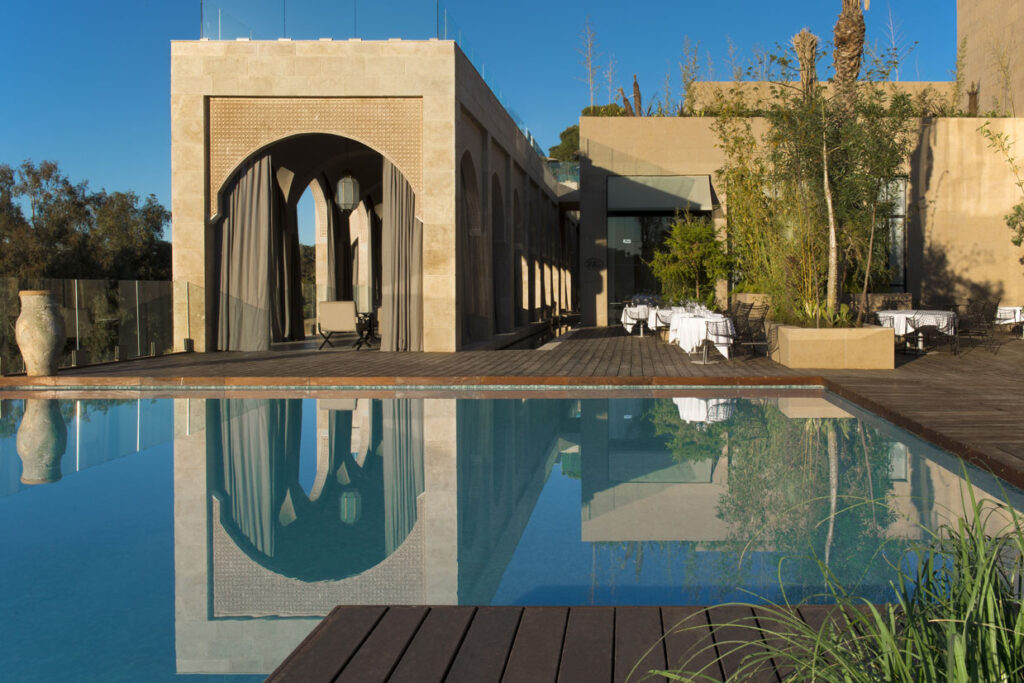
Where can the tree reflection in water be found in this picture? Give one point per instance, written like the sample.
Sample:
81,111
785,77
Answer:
811,492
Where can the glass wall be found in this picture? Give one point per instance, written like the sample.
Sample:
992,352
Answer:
632,241
104,320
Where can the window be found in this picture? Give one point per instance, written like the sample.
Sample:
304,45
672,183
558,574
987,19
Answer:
897,194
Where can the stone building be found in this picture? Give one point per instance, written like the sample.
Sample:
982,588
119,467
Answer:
452,232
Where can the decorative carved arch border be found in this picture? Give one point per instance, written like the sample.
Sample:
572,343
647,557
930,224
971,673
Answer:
240,126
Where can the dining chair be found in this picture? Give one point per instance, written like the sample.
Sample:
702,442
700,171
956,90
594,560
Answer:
637,316
717,329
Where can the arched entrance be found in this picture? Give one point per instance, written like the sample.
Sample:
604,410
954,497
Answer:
369,243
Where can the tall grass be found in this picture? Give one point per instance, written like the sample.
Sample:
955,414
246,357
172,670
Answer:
956,616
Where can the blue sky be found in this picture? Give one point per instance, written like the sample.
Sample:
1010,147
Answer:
87,83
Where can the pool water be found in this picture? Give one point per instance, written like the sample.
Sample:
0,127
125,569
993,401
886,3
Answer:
163,537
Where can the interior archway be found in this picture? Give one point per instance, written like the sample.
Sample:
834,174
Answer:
255,276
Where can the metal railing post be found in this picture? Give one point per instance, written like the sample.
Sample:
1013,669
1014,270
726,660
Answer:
138,323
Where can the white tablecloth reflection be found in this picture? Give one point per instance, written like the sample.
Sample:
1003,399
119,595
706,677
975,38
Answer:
690,331
706,410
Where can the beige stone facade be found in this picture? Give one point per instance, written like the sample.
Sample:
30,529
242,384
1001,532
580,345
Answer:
421,105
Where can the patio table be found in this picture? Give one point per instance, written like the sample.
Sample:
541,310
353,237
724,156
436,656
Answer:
631,315
1010,315
902,322
690,330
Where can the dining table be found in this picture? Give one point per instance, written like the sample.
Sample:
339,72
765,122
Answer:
906,321
689,329
1010,315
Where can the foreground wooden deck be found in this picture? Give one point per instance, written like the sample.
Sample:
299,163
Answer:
528,644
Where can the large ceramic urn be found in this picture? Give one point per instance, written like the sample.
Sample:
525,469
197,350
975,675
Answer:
42,439
39,332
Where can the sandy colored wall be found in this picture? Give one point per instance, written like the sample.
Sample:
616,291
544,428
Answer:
506,169
958,246
993,30
958,243
633,146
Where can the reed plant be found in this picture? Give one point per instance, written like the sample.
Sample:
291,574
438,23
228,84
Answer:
956,616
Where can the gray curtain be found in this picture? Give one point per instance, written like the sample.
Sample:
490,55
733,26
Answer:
402,450
402,256
243,316
339,248
258,250
259,452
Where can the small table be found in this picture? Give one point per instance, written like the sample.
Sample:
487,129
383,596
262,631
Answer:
366,327
690,330
635,315
905,321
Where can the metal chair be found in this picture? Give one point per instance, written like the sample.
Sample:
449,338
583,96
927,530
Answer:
335,317
637,316
925,329
753,332
717,330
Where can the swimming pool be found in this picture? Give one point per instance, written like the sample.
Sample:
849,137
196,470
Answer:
209,535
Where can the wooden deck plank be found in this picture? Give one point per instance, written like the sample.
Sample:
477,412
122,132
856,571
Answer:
328,648
688,642
385,645
589,645
639,646
486,647
736,637
537,649
433,648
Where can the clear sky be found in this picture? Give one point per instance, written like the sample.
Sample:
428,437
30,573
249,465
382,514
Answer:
87,83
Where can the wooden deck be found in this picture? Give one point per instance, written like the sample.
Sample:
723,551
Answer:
970,404
528,644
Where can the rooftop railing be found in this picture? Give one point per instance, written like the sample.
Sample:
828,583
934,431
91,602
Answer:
306,20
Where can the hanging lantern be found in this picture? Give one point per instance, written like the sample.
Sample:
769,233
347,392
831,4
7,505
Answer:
346,192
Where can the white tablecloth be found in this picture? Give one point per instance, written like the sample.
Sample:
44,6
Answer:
631,314
690,331
902,322
707,410
1007,315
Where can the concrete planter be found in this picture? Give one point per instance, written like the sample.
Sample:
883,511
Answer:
39,332
41,441
753,298
845,348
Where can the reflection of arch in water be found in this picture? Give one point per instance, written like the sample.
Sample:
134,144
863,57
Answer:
362,511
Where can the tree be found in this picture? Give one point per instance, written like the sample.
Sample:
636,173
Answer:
71,232
568,149
808,196
569,146
692,257
589,57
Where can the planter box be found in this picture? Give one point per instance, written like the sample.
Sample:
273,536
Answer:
849,348
753,298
